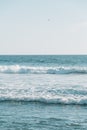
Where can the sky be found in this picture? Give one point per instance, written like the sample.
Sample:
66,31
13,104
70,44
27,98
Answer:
43,27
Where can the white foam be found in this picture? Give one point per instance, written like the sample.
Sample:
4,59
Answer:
20,95
42,70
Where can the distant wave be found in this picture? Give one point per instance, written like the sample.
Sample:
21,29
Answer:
58,100
18,69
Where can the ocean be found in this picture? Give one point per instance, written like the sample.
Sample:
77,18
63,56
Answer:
43,92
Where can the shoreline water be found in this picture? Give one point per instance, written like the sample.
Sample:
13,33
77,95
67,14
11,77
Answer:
39,116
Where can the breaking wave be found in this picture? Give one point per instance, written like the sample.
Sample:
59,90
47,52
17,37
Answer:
42,70
58,100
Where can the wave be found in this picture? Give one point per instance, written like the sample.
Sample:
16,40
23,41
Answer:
19,69
58,100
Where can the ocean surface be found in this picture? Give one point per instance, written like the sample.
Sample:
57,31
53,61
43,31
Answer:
43,92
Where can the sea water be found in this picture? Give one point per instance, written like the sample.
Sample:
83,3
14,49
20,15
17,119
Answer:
43,92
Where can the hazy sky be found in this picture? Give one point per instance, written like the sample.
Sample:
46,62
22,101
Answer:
43,26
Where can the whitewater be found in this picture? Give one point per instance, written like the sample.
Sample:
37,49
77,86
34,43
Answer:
42,70
43,92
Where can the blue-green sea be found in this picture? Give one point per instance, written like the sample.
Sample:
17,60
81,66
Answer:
43,92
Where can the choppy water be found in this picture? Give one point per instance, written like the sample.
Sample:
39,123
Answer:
43,92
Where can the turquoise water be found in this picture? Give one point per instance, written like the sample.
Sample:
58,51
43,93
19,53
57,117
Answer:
38,116
43,92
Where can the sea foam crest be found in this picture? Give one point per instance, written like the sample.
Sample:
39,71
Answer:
46,100
42,70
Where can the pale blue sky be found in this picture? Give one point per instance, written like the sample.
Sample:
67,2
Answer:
43,26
